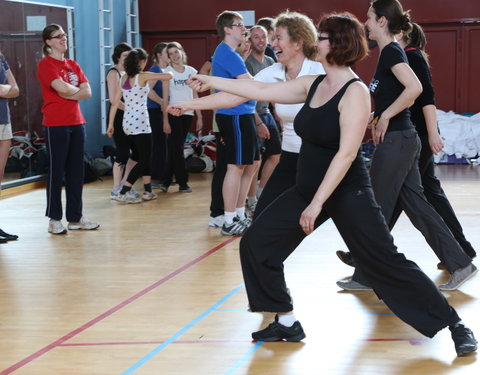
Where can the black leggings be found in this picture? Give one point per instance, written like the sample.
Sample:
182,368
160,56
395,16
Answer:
176,159
142,146
399,282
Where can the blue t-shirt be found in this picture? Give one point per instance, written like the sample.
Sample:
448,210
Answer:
4,111
227,63
157,88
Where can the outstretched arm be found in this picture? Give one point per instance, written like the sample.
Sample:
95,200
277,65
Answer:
354,110
213,101
290,92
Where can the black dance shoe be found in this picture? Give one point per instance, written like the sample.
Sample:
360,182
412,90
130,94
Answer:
346,257
464,340
8,237
278,332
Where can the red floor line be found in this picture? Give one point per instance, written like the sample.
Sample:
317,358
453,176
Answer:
114,309
413,341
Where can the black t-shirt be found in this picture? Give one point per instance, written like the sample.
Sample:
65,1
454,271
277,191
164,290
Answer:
420,67
386,88
319,129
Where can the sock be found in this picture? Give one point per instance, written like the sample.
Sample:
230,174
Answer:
241,213
259,191
251,200
460,323
125,189
229,217
286,320
148,187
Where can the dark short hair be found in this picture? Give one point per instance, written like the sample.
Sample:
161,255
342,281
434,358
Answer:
132,62
266,22
392,10
119,49
348,43
225,19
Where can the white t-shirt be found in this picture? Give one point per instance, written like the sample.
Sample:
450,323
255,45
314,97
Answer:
291,142
179,90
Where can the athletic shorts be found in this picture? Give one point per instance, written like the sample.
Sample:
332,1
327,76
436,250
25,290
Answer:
240,138
5,132
272,146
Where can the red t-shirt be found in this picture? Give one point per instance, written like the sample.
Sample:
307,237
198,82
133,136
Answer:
58,111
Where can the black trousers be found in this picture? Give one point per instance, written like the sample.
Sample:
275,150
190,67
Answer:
397,184
65,147
159,142
176,160
142,146
399,282
283,177
216,202
437,198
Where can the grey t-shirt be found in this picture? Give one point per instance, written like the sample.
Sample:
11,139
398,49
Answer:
253,67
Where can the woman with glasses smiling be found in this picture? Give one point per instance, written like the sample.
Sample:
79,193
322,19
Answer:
63,84
332,182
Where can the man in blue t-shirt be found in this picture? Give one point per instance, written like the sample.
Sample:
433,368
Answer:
236,125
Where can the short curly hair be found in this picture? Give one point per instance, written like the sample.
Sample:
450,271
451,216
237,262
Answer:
348,43
299,28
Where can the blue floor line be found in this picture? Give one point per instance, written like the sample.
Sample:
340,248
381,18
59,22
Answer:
175,336
245,357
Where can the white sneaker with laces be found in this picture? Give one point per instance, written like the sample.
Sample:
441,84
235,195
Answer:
128,197
83,224
56,227
216,221
148,196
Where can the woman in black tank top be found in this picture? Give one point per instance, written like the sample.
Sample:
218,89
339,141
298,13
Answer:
331,183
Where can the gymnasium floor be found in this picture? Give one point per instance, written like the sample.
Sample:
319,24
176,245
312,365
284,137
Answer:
155,291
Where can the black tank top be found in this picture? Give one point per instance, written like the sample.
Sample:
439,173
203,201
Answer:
319,129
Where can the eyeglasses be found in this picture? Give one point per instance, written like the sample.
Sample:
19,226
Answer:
237,24
320,38
59,36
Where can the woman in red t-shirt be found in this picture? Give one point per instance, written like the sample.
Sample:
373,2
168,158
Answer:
63,84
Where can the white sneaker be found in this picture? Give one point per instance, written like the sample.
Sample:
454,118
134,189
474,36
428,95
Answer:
56,227
114,194
216,221
128,197
147,196
135,193
84,224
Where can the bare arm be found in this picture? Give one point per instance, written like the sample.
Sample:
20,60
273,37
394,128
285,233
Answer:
354,110
152,95
70,92
198,112
10,89
115,103
434,139
150,76
166,95
113,87
290,92
413,88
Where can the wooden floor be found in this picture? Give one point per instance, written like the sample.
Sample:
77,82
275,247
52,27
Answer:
155,291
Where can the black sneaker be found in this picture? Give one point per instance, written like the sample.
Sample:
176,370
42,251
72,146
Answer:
164,187
7,236
464,340
237,228
346,257
185,189
278,332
